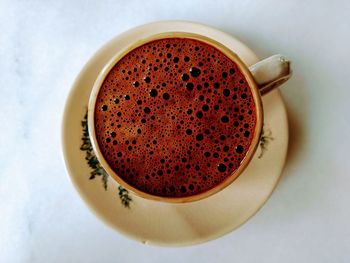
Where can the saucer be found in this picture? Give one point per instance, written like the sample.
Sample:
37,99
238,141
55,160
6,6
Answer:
165,224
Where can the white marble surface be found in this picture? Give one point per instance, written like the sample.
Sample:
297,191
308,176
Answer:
43,46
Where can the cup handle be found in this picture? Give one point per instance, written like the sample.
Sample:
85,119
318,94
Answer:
271,72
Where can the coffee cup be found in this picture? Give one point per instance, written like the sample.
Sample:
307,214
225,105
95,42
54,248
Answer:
112,145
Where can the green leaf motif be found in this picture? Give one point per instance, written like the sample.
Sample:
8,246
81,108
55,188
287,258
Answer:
265,139
96,168
124,196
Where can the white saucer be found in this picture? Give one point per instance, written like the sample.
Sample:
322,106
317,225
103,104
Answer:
174,224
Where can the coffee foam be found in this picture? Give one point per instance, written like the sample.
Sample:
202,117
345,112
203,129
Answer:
175,117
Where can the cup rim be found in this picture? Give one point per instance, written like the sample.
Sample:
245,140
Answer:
222,48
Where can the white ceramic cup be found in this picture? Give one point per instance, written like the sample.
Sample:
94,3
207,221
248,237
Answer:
262,77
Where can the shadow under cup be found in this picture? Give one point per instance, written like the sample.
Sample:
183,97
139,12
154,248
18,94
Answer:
175,117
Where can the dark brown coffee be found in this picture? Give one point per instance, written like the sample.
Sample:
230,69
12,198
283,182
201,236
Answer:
175,117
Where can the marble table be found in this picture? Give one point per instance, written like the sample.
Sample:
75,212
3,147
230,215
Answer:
43,46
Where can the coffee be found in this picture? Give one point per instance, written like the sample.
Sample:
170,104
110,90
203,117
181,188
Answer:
175,117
